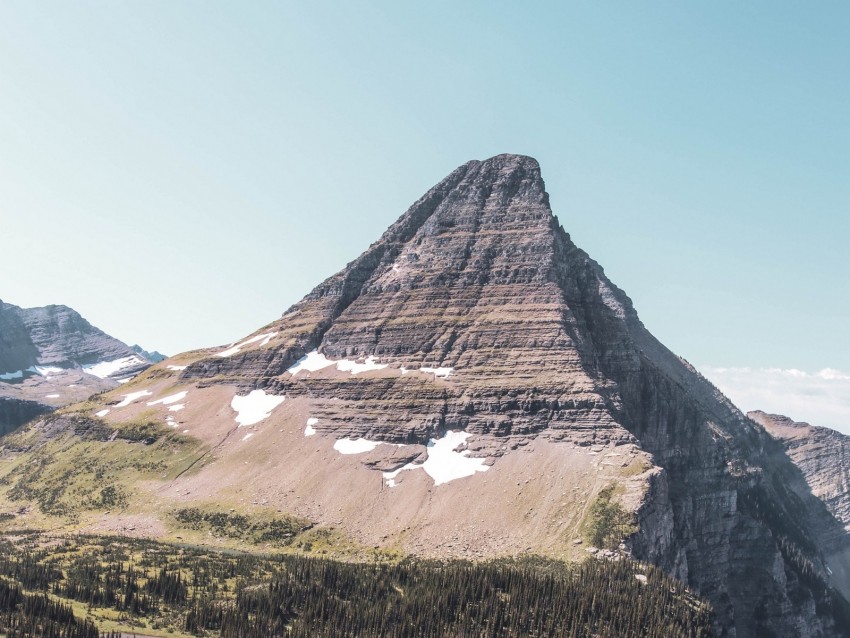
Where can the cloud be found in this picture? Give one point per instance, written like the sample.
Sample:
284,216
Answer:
819,398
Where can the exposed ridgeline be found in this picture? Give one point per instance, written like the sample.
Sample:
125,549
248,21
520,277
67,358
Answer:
53,336
822,454
480,277
44,351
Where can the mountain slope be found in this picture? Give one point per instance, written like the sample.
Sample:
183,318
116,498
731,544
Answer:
52,356
472,385
822,454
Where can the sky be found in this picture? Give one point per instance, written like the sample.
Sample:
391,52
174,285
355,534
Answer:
182,172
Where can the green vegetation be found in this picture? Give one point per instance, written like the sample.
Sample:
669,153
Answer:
89,587
278,531
607,522
79,464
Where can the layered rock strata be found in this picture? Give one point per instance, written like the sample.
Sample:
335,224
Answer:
45,354
478,279
822,454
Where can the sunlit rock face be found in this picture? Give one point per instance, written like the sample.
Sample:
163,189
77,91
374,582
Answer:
52,356
475,376
479,278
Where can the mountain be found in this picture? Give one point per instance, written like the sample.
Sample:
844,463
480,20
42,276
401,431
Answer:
473,385
822,454
153,357
52,356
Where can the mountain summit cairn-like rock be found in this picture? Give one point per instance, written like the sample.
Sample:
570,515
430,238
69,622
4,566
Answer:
473,385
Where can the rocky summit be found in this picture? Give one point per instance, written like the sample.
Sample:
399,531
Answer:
51,356
473,385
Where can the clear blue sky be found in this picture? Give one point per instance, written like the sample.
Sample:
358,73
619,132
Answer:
181,172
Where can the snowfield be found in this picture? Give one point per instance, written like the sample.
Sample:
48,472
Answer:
347,365
265,338
133,396
310,362
444,464
254,407
313,361
103,369
355,446
174,398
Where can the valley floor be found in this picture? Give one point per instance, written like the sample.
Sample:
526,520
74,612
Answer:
106,587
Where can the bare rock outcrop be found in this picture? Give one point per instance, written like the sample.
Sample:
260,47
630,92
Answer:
478,279
822,454
43,353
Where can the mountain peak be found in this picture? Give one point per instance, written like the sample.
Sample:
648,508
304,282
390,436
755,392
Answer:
473,384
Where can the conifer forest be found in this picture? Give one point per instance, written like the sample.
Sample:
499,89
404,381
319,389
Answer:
98,587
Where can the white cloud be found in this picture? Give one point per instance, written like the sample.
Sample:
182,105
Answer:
819,398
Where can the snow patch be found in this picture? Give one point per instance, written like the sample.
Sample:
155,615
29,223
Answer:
174,398
347,365
44,371
51,396
247,436
440,373
313,361
254,407
103,369
176,368
310,362
310,430
265,338
102,413
129,398
355,446
123,381
444,464
177,407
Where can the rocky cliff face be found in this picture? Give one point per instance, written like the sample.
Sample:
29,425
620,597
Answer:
479,277
14,412
822,459
52,356
823,456
53,336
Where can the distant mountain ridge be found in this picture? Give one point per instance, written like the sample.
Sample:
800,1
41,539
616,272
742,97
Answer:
51,356
55,336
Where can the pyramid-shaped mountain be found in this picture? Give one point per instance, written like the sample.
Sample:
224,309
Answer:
473,385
